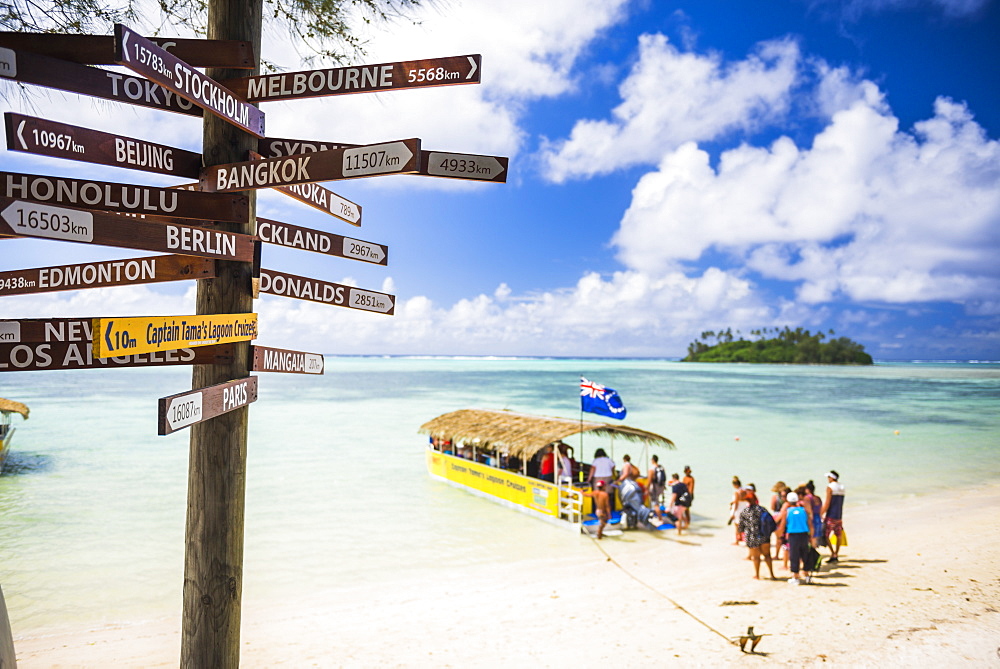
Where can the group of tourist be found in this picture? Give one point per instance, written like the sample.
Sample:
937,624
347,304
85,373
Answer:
799,519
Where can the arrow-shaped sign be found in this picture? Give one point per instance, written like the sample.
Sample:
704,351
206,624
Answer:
315,290
307,239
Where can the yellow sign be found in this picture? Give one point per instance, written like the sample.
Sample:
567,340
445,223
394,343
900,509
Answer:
508,486
114,337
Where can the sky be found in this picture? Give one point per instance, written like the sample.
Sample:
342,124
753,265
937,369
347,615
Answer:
675,168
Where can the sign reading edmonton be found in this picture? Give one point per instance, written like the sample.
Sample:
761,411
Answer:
153,269
60,140
31,219
146,334
400,157
314,290
194,406
267,359
360,79
293,236
145,58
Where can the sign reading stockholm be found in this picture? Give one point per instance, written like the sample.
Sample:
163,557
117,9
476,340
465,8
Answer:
146,334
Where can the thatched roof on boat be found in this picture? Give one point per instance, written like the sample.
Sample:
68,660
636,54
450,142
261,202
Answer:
14,407
522,435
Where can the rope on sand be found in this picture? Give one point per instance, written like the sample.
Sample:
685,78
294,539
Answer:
657,592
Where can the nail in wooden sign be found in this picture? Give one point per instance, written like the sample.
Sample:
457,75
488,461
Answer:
145,58
267,359
33,68
318,241
147,334
31,219
194,406
400,157
100,49
152,269
324,292
61,140
360,79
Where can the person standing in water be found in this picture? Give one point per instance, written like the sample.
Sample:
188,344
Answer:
833,513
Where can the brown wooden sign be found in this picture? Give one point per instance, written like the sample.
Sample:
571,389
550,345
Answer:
33,357
324,292
400,157
360,79
152,269
31,219
307,239
446,164
194,406
145,58
267,359
124,198
61,140
325,200
100,49
33,68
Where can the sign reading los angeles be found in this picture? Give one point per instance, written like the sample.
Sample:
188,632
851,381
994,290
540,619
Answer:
31,219
194,406
145,58
359,79
61,140
400,157
100,49
307,239
101,274
147,334
267,359
324,292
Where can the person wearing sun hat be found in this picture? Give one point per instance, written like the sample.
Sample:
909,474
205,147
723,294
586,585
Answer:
833,513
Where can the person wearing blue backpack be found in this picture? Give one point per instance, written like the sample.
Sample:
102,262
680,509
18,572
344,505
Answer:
796,520
757,524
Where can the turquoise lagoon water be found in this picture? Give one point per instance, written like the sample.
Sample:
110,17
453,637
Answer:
92,508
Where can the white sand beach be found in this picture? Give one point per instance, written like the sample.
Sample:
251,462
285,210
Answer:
918,585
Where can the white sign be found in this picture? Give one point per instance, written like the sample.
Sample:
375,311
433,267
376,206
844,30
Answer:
354,248
8,63
10,332
40,220
376,159
369,301
462,165
184,411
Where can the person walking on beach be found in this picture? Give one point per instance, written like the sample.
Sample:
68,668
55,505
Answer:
679,499
796,520
737,505
833,513
756,523
688,480
602,506
657,477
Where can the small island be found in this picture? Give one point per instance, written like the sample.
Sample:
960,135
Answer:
796,346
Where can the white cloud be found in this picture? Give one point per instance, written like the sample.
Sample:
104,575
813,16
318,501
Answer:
672,97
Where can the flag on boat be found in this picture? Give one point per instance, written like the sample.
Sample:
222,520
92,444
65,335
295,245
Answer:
595,398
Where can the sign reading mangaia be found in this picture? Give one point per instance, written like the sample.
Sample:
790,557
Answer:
146,334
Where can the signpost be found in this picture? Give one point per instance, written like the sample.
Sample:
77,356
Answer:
61,140
30,219
267,359
145,58
324,292
360,79
400,157
325,200
147,334
293,236
194,406
100,49
152,269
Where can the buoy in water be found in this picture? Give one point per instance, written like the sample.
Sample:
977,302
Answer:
896,432
736,438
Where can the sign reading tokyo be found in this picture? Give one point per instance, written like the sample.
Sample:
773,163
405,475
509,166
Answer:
145,334
360,79
145,58
61,140
153,269
400,157
185,409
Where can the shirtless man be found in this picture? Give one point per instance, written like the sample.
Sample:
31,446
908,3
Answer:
602,505
688,480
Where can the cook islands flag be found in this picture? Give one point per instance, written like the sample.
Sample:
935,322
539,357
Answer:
595,398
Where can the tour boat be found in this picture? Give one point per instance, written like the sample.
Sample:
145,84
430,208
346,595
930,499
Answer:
8,407
494,454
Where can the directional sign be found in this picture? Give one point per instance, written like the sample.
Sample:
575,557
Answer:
325,200
60,140
360,79
126,198
145,334
400,157
100,49
307,239
153,269
145,58
267,359
34,356
432,163
314,290
194,406
33,68
30,219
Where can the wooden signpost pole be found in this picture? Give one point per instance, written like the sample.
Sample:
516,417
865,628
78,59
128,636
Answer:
213,559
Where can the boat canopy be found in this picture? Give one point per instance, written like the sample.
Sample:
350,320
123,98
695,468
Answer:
522,435
10,406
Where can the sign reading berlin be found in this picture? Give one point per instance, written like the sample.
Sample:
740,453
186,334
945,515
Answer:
146,334
145,58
